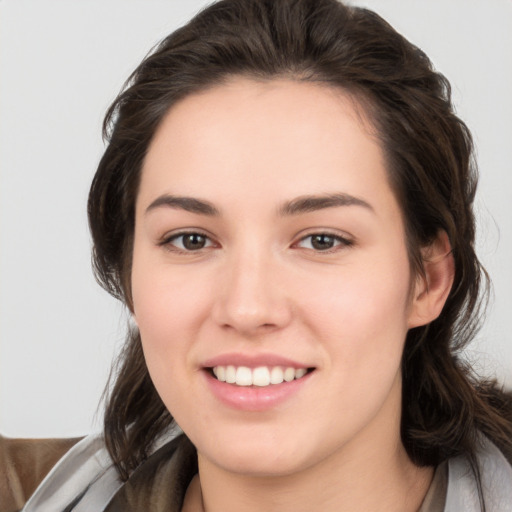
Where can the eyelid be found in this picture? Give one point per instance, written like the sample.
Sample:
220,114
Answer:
166,240
344,240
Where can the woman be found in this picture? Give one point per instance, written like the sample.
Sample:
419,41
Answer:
285,207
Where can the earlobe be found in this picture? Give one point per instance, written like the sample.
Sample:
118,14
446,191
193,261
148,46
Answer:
432,289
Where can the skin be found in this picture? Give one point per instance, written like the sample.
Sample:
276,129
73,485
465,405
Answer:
259,286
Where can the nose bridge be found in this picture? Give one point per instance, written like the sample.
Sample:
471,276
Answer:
250,296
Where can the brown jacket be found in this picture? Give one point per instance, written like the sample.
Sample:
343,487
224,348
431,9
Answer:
23,465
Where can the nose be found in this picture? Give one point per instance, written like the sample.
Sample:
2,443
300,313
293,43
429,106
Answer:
252,297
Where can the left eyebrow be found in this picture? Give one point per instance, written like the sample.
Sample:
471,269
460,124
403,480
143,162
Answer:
305,204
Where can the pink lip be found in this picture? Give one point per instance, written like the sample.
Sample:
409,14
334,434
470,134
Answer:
254,398
252,361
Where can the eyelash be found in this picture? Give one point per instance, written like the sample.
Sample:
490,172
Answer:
168,242
340,242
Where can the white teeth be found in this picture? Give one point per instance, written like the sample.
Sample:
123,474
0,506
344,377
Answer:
230,374
243,376
221,373
276,375
289,374
261,376
300,373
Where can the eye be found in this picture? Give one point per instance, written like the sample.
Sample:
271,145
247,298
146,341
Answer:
187,242
323,242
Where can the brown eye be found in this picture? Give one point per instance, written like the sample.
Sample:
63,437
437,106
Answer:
189,241
194,241
323,242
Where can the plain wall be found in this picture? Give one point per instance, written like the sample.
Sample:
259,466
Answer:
61,64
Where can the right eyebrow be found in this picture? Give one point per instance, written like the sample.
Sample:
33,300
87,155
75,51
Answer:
189,204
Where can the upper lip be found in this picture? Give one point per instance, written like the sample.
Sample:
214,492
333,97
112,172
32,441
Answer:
252,361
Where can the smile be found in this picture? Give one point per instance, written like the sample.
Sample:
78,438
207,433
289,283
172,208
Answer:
261,376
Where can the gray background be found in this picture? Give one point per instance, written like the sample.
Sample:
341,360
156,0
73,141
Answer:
61,64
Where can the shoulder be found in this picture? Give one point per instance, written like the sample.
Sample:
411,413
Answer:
160,483
85,478
494,473
87,463
24,463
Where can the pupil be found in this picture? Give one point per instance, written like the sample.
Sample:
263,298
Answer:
194,241
322,242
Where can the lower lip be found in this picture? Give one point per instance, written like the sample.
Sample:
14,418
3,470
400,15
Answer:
255,398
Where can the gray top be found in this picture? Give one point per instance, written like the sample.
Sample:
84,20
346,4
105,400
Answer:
435,500
84,480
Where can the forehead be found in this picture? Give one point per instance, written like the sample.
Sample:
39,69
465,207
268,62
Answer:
277,137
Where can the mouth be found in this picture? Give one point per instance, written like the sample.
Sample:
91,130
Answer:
257,382
261,376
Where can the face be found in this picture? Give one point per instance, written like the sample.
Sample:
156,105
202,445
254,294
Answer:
270,276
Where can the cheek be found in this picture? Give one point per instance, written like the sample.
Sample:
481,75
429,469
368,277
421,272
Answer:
363,315
165,307
166,300
171,307
165,314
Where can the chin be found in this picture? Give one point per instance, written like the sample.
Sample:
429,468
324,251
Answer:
256,456
257,466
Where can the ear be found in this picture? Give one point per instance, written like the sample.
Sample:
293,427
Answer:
432,289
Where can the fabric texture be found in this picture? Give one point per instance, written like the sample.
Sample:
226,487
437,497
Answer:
435,500
85,480
23,464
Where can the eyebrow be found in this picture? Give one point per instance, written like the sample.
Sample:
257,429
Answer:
189,204
302,204
311,203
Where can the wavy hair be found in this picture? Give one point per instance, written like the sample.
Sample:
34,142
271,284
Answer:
430,163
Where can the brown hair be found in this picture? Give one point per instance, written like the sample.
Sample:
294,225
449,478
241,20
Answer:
430,162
